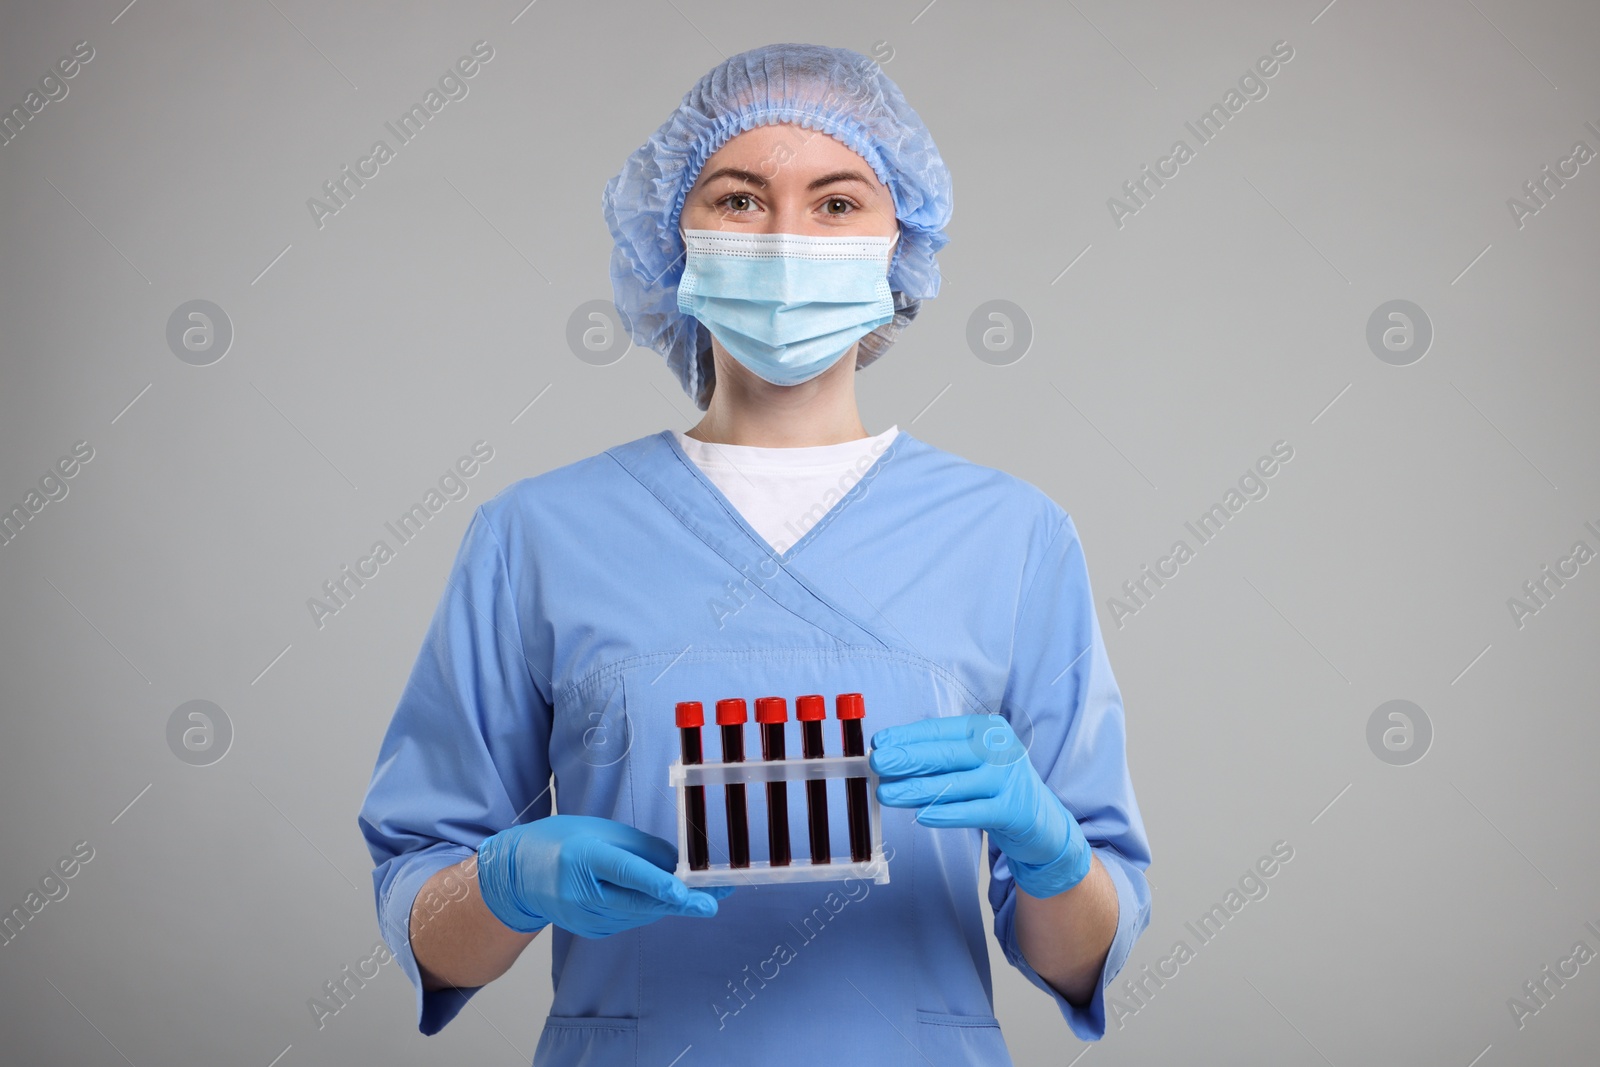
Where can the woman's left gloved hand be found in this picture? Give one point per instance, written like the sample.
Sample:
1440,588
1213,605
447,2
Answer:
973,770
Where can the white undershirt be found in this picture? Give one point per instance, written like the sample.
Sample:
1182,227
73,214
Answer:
782,492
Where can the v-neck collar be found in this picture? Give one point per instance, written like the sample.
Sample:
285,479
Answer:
788,556
661,467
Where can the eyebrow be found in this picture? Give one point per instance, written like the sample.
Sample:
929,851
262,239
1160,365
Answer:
761,183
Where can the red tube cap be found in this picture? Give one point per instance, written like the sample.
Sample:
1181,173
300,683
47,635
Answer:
850,706
810,708
690,713
732,712
771,710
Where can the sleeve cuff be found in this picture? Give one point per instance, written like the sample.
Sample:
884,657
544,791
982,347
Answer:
1088,1022
434,1008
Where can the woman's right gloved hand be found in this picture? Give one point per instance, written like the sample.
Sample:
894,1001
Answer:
593,877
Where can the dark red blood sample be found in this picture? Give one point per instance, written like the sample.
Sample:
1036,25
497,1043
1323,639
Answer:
691,716
731,716
850,709
772,713
811,710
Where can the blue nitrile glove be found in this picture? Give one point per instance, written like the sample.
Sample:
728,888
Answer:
972,770
593,877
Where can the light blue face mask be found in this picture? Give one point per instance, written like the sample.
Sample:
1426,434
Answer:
786,306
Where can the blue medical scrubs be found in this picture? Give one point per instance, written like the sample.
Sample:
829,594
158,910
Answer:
584,603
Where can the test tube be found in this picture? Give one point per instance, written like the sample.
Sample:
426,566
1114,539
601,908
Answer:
772,713
691,716
811,710
850,708
731,716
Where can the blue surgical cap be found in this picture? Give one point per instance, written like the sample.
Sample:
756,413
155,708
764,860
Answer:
834,90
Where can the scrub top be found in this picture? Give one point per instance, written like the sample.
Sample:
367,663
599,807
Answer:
584,603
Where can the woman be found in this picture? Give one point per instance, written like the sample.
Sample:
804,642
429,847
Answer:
773,237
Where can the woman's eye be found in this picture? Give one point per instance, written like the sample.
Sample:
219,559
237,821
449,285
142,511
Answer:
839,200
736,202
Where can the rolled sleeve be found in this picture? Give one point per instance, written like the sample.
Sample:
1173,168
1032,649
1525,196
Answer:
466,754
397,884
1133,915
1063,700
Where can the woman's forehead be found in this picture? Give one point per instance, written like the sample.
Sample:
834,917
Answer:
783,153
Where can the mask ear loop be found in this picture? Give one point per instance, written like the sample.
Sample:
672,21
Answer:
695,377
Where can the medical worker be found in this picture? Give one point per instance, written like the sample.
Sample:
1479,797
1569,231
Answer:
773,237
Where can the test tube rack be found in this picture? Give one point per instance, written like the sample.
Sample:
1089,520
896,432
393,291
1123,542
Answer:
852,772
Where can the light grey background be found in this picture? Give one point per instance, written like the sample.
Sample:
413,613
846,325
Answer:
1229,313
